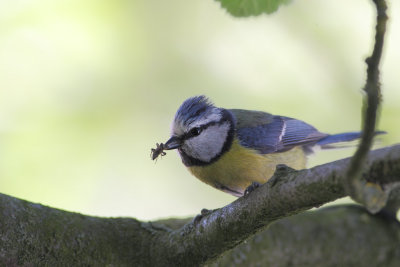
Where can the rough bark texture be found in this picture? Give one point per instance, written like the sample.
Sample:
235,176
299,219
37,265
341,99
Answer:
35,235
335,236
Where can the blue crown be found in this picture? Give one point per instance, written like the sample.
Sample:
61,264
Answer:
192,109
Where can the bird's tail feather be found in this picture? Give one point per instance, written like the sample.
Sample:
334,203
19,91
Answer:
331,141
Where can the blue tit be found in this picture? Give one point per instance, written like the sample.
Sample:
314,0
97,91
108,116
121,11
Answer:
230,149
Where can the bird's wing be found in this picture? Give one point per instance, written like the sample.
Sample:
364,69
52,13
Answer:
267,133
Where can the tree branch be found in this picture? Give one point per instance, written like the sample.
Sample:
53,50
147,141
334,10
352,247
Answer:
32,233
356,188
334,236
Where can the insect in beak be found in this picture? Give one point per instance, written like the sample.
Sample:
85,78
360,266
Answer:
159,150
173,143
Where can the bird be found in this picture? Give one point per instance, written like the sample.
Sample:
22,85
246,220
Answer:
236,150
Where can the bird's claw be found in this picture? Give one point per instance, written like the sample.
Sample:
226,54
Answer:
251,188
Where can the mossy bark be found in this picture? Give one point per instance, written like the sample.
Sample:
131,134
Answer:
35,235
335,236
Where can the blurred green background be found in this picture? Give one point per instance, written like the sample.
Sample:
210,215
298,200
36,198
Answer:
88,87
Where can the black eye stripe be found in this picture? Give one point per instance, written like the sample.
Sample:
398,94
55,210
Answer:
202,128
195,131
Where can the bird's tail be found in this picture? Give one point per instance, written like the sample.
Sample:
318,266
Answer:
332,141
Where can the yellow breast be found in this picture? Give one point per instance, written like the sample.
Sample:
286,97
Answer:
240,166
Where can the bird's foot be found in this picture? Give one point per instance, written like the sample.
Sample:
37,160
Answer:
251,188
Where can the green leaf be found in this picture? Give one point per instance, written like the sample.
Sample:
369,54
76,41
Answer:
245,8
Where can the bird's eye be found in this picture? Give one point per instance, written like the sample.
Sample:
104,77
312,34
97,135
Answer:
195,131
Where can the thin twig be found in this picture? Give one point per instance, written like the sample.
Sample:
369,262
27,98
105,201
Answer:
370,107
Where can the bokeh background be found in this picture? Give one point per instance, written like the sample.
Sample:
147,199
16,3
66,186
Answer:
88,87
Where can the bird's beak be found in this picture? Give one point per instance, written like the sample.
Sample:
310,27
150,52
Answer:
173,143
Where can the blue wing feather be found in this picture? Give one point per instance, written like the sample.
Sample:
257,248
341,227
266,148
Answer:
264,138
267,133
278,135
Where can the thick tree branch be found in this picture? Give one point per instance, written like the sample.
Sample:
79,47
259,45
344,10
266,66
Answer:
287,193
358,189
334,236
31,233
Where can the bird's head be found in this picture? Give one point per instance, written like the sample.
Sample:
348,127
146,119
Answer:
200,131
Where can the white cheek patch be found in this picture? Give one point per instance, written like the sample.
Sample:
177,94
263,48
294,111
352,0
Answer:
208,144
